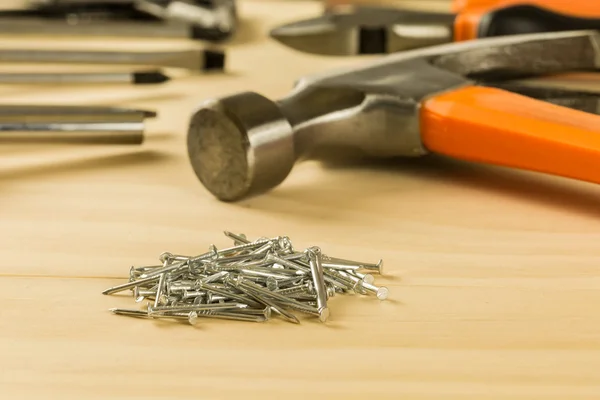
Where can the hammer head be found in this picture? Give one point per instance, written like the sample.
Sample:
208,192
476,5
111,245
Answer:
240,145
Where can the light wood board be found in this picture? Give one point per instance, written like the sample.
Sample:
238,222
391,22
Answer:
494,274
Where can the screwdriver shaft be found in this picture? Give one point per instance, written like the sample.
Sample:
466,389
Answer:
93,133
85,77
71,124
107,28
191,59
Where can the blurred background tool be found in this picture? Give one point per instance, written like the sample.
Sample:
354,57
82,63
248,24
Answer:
566,6
215,20
346,31
455,100
134,78
428,5
88,9
193,59
204,20
72,124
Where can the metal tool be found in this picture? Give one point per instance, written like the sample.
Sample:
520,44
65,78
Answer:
134,78
215,21
578,7
431,100
347,31
442,5
195,59
87,10
212,20
72,124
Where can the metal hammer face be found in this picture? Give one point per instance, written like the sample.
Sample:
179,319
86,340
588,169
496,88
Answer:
245,144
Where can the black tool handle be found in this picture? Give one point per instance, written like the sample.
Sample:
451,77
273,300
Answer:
412,29
522,19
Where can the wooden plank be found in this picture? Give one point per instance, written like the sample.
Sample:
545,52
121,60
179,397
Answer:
468,339
493,274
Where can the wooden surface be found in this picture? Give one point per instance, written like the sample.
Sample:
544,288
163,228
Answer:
494,275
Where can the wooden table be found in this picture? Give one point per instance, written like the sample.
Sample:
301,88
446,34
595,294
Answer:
494,274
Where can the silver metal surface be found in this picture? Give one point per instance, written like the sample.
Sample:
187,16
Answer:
66,113
190,59
237,239
341,264
72,133
381,292
576,99
221,16
129,285
316,269
56,3
72,124
346,31
82,78
129,313
44,27
237,316
194,307
244,144
197,20
258,294
236,295
160,296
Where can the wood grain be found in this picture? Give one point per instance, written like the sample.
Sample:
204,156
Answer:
493,274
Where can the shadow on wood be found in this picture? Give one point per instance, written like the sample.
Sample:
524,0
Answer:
562,193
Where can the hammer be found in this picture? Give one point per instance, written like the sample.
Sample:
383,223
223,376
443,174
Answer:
453,99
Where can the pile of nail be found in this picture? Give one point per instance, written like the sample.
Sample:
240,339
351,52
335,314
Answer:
251,281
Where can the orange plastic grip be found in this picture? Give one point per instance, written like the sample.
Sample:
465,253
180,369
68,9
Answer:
459,5
578,6
470,12
494,126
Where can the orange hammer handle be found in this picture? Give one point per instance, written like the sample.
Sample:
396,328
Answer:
552,15
498,127
579,7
